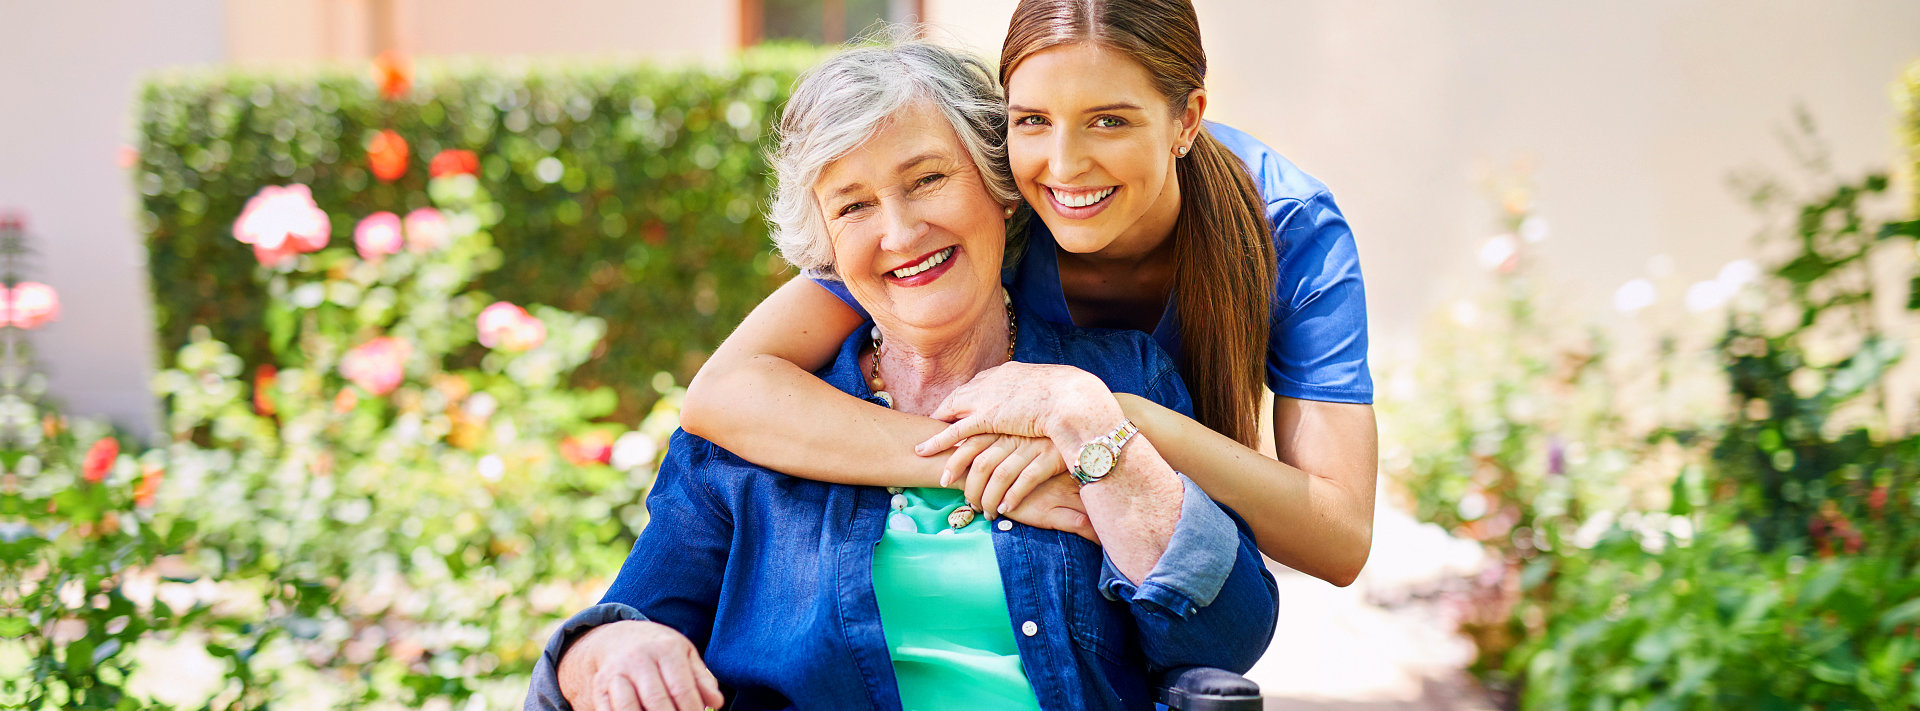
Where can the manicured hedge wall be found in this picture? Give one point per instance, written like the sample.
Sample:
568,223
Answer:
631,192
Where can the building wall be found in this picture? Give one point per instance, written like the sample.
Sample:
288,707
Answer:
1632,115
71,71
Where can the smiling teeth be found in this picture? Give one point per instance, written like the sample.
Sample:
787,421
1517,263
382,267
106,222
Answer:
1082,199
929,263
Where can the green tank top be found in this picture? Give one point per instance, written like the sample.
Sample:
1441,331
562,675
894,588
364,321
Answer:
944,611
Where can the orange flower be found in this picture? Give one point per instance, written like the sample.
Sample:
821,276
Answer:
99,460
393,72
454,161
149,485
263,380
387,155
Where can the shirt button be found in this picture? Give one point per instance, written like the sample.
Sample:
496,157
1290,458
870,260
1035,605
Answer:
1029,629
1006,524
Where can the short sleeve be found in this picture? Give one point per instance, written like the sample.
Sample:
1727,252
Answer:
839,289
1317,348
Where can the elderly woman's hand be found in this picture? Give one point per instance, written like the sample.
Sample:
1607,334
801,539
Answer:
1020,477
1059,402
637,666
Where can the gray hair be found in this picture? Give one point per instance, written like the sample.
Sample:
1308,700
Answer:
839,104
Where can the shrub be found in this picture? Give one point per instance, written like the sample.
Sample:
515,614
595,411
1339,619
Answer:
630,193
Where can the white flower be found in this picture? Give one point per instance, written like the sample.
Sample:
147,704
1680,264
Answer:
1738,273
1498,251
1533,229
633,450
1707,295
1634,296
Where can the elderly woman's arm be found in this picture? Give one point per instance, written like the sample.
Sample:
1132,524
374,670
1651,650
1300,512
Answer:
672,578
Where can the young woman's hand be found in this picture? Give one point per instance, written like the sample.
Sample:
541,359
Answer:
637,666
1058,402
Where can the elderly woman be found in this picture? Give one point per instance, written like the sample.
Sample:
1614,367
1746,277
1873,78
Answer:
768,592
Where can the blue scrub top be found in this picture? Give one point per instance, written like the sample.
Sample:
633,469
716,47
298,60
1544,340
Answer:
1317,343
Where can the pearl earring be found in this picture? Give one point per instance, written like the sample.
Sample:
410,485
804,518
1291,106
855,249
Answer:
1180,151
1009,212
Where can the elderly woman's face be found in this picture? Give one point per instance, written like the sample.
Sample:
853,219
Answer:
916,236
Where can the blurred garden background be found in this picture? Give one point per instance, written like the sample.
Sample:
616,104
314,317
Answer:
341,336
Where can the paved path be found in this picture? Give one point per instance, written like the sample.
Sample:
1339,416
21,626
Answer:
1380,644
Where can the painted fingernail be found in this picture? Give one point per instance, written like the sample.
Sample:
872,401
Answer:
1003,507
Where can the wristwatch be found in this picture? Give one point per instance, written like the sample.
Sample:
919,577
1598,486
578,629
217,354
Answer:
1096,458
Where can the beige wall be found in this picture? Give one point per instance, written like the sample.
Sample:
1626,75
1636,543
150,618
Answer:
69,80
1633,113
302,30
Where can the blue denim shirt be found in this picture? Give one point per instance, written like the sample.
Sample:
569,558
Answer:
771,577
1317,341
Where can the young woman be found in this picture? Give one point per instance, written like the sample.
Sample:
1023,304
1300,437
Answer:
1149,220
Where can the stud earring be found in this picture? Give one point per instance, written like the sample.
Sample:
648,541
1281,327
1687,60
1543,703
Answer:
1180,151
1009,212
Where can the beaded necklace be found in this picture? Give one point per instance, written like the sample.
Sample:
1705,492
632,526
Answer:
963,515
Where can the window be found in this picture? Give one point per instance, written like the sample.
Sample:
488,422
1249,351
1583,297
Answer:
819,21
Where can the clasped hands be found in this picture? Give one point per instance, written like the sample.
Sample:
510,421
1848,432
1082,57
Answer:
1013,428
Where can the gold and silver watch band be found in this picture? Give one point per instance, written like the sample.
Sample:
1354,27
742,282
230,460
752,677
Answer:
1096,459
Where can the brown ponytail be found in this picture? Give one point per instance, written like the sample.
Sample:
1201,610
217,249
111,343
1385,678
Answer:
1223,247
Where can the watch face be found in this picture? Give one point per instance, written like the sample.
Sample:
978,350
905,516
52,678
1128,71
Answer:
1095,460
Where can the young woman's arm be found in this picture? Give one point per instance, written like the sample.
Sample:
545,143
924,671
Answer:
758,398
1313,508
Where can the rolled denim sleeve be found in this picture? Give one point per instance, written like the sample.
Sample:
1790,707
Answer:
544,694
1196,563
1209,600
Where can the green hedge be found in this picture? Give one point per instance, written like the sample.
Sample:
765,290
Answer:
630,192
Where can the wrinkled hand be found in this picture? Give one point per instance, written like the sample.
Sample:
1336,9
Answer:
637,666
1028,400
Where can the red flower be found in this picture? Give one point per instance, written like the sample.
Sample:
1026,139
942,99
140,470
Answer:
387,155
28,304
99,459
149,485
378,365
393,72
11,220
263,380
590,448
510,328
454,161
377,235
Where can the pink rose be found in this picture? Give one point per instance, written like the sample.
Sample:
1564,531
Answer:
377,235
427,230
282,221
377,366
29,304
510,328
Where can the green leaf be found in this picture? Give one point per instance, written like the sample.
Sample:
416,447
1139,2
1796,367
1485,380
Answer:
1901,614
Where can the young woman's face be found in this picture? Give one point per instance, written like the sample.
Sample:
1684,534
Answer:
1092,148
